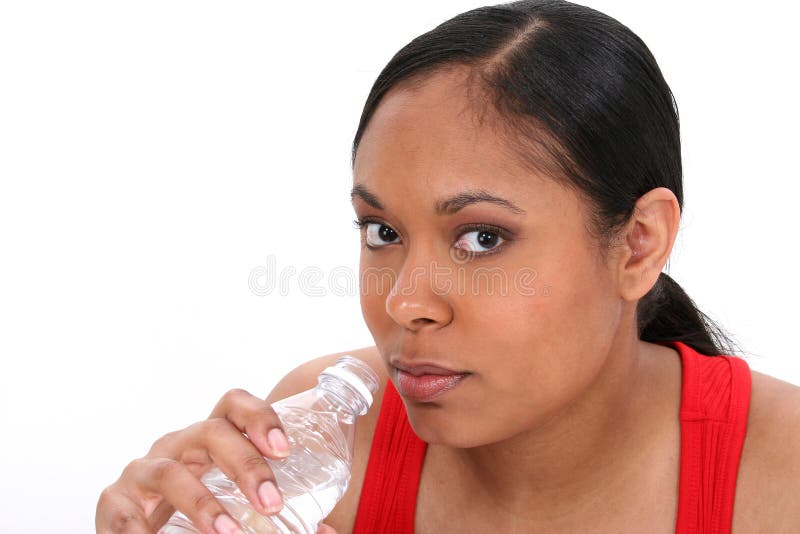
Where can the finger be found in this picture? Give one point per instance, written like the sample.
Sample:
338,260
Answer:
325,529
169,445
256,418
160,514
151,477
116,513
242,462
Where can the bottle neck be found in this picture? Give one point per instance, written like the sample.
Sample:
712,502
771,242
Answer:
341,398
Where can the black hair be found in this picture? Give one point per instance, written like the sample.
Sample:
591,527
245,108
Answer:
581,98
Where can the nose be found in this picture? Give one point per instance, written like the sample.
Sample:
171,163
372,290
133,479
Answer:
418,299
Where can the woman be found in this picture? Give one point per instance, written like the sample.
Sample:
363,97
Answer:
517,183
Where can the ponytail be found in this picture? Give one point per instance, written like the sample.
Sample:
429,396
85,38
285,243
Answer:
667,313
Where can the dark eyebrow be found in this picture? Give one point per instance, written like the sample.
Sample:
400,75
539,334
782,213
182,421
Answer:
454,203
361,191
449,205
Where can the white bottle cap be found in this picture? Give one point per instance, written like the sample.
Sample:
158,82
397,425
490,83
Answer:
352,380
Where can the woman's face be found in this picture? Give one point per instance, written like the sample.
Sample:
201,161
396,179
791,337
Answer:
524,302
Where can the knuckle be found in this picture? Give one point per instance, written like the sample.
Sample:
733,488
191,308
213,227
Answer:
105,497
164,442
123,521
254,461
234,396
253,469
132,467
164,469
205,503
217,427
197,427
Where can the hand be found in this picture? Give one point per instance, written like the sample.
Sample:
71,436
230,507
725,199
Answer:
168,477
325,529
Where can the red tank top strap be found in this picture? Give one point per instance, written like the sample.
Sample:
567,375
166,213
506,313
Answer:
715,402
389,494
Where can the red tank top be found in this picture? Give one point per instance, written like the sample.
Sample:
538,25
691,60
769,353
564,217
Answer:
715,399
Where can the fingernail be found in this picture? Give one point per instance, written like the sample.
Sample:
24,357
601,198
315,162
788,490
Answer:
225,525
270,497
277,440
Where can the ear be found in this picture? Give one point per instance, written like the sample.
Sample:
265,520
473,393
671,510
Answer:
647,242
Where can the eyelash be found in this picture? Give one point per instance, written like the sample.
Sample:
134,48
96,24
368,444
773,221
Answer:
361,223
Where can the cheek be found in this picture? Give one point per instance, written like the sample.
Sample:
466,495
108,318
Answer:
375,284
372,308
538,352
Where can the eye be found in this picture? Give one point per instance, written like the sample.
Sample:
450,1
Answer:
477,239
376,233
480,238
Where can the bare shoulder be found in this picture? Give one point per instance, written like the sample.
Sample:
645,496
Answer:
768,485
304,377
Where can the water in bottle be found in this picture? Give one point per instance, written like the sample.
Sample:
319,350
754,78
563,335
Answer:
320,426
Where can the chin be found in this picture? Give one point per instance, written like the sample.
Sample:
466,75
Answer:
435,426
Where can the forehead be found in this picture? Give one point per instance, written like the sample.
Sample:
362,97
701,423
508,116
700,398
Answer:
432,134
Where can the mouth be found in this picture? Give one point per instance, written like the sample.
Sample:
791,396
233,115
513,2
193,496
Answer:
425,385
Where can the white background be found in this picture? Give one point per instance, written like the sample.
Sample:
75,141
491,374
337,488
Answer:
154,153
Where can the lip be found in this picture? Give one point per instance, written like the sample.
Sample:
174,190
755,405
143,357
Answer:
427,387
425,369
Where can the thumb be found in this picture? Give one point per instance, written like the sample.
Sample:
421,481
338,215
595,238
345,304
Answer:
325,529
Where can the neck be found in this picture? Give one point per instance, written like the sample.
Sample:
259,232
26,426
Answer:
596,450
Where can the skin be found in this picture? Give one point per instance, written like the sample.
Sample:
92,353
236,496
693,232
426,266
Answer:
566,369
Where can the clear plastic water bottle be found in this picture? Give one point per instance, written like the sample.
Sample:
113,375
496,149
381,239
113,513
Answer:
320,427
